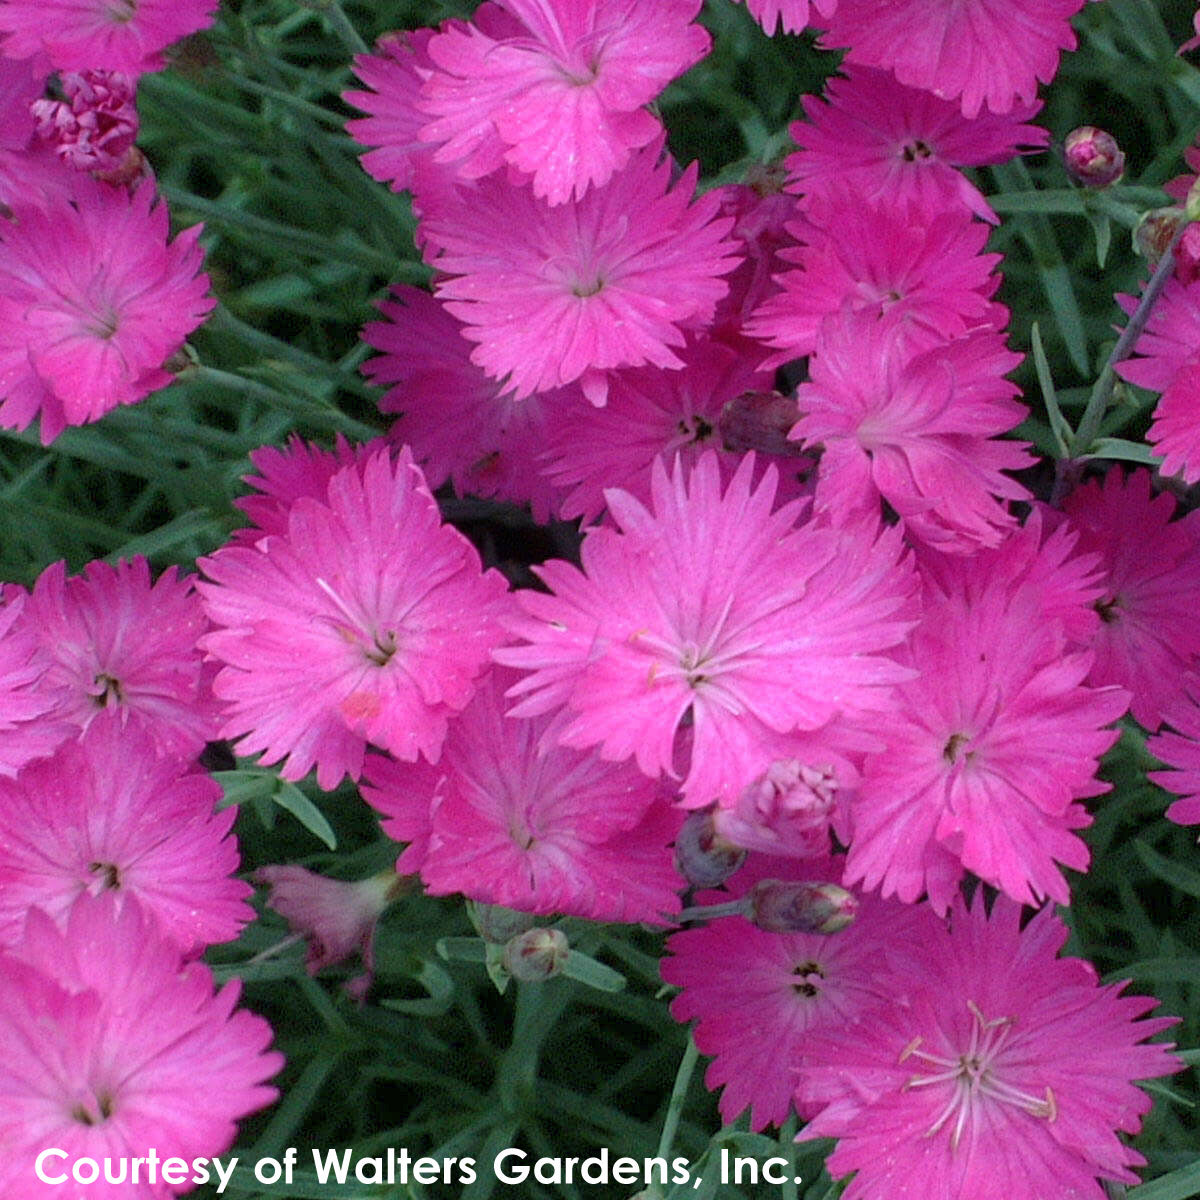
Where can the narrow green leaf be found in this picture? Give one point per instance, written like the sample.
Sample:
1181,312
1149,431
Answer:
1125,451
1059,426
594,974
462,949
1102,228
1183,1184
290,798
1186,879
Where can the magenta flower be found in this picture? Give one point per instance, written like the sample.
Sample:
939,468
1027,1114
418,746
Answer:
926,272
93,301
902,145
1175,431
978,52
1179,747
116,35
793,15
95,126
555,294
922,433
555,90
542,829
108,814
710,604
118,644
1147,637
27,729
366,621
453,417
758,998
111,1048
968,1079
989,748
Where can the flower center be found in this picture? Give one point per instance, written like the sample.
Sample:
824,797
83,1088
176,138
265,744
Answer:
109,873
953,748
107,690
807,977
588,287
974,1077
1109,610
694,429
94,1109
916,151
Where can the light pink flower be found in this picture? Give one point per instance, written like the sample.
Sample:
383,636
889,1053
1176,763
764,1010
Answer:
108,814
978,52
968,1079
1148,636
111,1048
118,644
552,295
1179,747
922,433
542,829
556,89
989,748
758,998
901,145
926,272
710,604
453,417
27,729
93,301
112,35
367,621
793,15
787,811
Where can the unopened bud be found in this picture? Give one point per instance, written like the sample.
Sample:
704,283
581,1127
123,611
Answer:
760,421
497,924
536,954
702,856
1093,157
1155,231
783,907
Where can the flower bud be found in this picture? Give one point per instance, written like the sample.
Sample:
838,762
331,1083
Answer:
497,924
1154,232
785,811
536,954
702,857
781,907
1093,157
760,421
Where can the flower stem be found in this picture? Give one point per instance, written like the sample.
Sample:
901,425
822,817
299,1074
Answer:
683,1077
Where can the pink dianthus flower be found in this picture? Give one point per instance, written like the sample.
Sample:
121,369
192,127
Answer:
978,52
792,15
95,126
115,35
922,433
1147,637
118,644
93,301
111,1048
27,729
925,272
368,620
542,829
552,295
758,998
556,89
991,1068
708,603
108,814
902,145
1179,747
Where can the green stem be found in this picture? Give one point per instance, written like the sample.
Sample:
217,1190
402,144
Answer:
683,1077
333,12
787,1143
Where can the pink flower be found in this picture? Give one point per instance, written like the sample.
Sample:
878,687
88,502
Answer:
93,301
758,998
990,1068
1175,431
556,89
989,748
555,294
542,829
793,15
925,272
111,1048
95,127
1147,637
27,730
108,815
1180,748
978,52
113,35
120,645
651,414
1171,337
922,433
787,811
710,604
901,145
451,414
366,621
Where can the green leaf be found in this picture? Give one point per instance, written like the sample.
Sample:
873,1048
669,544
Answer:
1183,1184
1059,426
594,974
1102,228
1186,879
440,993
462,949
1125,451
290,798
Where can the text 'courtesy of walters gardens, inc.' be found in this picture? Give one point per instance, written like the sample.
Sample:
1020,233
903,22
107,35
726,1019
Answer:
511,1166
